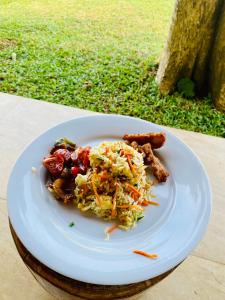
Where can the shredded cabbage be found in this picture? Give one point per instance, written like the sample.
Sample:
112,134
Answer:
115,184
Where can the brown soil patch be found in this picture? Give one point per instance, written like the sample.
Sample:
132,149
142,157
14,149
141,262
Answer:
5,43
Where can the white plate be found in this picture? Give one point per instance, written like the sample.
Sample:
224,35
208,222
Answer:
171,230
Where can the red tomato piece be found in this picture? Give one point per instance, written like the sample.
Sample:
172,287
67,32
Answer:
54,164
81,157
75,170
64,153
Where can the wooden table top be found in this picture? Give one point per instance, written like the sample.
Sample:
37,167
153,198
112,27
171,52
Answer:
200,276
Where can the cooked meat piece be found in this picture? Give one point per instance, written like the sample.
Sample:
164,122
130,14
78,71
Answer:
156,139
158,169
58,187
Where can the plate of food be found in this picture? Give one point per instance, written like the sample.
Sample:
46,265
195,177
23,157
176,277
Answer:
109,199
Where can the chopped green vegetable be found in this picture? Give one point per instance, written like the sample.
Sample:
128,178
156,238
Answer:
71,224
65,143
139,218
69,142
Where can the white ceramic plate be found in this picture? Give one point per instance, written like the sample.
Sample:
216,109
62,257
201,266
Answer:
171,230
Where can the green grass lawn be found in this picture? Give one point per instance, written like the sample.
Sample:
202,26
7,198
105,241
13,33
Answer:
98,55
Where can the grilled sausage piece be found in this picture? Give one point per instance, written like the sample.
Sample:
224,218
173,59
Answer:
159,171
156,139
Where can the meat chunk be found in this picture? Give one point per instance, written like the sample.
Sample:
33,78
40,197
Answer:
156,139
158,169
59,188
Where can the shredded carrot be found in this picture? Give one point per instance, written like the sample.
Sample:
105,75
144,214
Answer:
149,255
136,207
126,153
122,152
113,213
84,187
133,189
128,156
135,196
146,202
111,229
132,167
104,176
123,206
106,150
153,202
98,199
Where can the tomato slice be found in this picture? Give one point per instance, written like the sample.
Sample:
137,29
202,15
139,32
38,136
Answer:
66,154
54,164
81,157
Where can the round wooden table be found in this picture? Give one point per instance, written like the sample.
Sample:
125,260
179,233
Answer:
66,288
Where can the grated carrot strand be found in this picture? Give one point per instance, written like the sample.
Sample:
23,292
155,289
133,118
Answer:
111,229
153,202
114,213
133,189
143,253
98,199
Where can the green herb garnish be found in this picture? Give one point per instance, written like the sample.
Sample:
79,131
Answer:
71,224
65,141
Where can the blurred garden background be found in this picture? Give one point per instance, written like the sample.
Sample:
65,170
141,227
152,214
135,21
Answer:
100,55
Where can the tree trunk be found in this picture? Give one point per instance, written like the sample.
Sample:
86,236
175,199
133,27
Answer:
189,44
217,65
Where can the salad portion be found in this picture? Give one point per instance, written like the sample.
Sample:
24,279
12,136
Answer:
108,180
115,185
